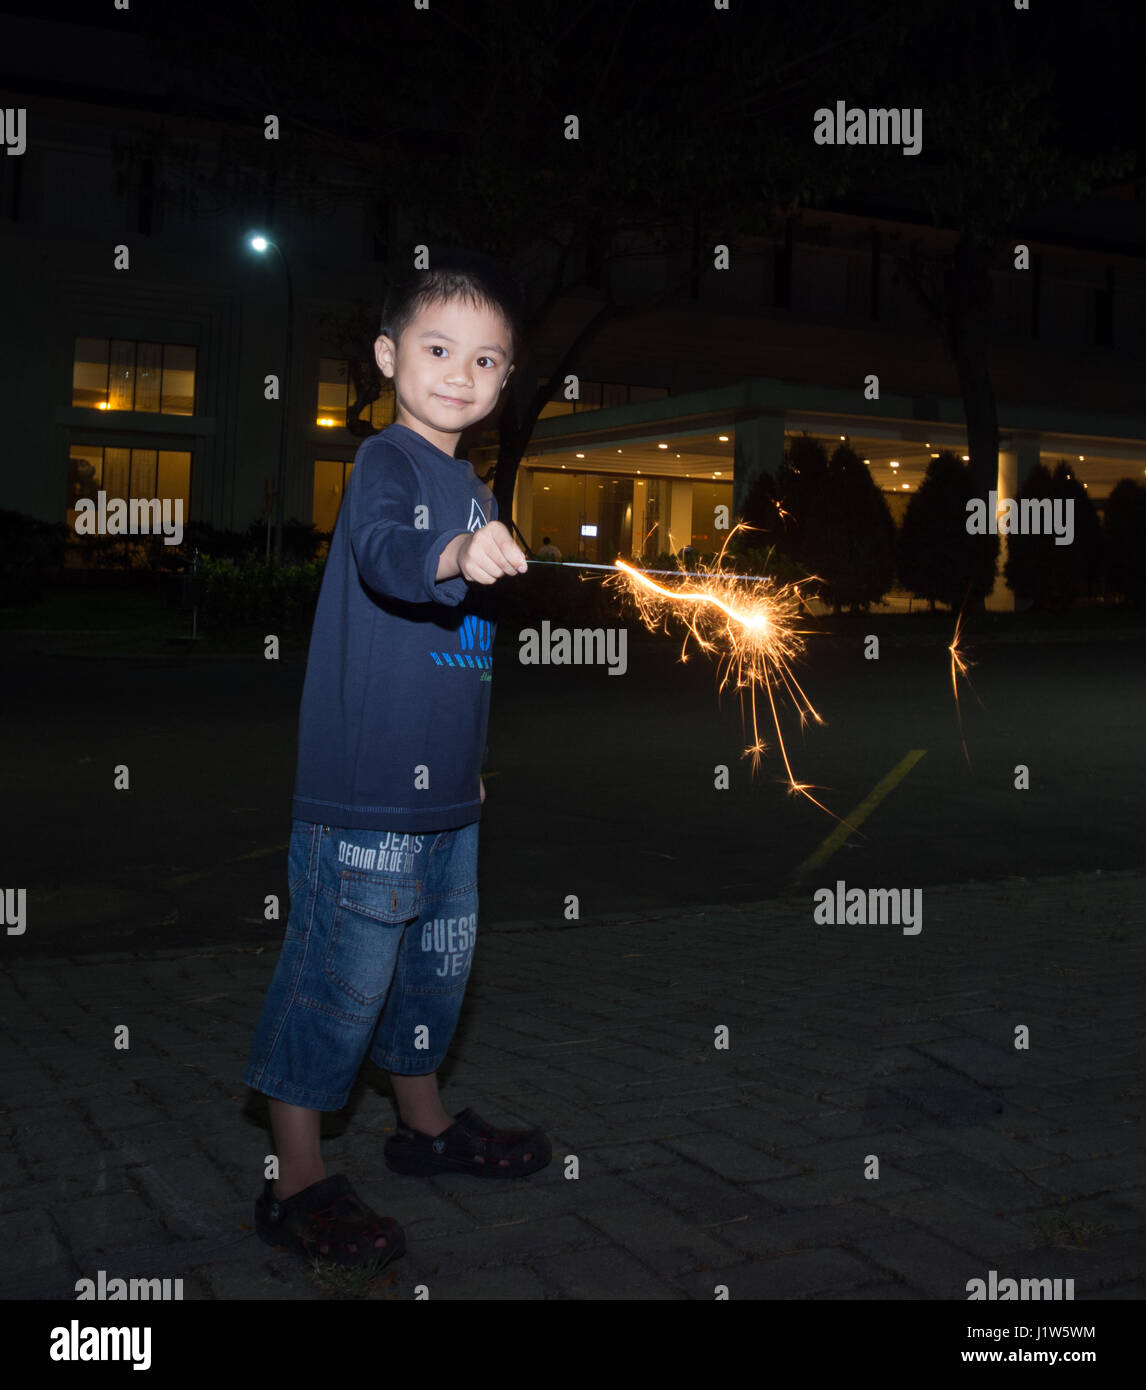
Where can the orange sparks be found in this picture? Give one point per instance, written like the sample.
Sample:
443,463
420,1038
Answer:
750,622
959,667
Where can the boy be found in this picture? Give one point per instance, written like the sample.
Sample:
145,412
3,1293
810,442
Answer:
383,856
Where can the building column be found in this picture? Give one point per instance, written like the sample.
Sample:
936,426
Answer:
640,509
680,513
1018,455
759,448
1027,448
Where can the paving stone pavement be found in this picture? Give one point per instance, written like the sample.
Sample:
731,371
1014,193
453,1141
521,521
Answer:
749,1166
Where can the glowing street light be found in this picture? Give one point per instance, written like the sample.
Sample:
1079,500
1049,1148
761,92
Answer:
260,243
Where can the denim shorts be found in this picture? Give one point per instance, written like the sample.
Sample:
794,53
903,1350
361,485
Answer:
375,960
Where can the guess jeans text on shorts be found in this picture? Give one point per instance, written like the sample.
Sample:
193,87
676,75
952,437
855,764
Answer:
454,938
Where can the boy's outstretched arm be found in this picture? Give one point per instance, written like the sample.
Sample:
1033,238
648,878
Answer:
396,546
483,556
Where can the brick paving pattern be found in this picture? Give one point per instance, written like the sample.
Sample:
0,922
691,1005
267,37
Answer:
698,1166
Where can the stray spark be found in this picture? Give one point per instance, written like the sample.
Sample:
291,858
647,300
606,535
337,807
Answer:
959,667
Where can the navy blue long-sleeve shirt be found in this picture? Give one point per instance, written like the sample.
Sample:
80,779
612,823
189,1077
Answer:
395,705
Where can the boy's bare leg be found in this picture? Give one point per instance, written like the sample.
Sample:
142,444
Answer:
296,1132
419,1105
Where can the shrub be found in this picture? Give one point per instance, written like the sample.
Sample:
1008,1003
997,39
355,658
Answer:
850,544
800,485
828,519
257,593
301,540
31,557
937,559
1052,576
1124,529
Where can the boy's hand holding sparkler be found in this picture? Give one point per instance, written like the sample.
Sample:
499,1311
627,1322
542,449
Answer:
482,556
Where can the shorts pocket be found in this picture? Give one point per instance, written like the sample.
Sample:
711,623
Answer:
384,897
363,944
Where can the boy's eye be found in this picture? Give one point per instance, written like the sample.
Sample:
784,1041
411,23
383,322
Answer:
437,347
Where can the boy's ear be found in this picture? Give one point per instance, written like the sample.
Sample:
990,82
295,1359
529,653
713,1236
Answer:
383,347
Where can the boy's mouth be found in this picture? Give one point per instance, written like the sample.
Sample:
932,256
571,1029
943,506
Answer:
453,400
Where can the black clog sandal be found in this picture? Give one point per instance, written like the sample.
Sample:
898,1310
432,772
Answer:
470,1145
331,1214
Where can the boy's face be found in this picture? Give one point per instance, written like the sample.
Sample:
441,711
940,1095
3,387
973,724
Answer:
448,370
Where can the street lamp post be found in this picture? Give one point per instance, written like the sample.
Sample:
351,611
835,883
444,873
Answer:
262,244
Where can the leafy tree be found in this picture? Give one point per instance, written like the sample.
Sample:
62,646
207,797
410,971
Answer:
1089,543
1124,528
760,514
850,543
834,523
1015,126
803,476
937,559
1050,575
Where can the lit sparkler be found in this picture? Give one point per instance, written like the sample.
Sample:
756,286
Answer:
750,620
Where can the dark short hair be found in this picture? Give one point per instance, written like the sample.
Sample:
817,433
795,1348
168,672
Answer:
458,274
544,540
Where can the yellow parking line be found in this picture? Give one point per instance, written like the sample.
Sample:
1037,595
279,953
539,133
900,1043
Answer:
860,814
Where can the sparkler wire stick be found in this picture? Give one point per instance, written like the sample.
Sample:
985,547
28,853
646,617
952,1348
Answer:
675,574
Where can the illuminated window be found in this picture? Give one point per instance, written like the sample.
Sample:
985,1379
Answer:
338,390
330,479
121,374
127,473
